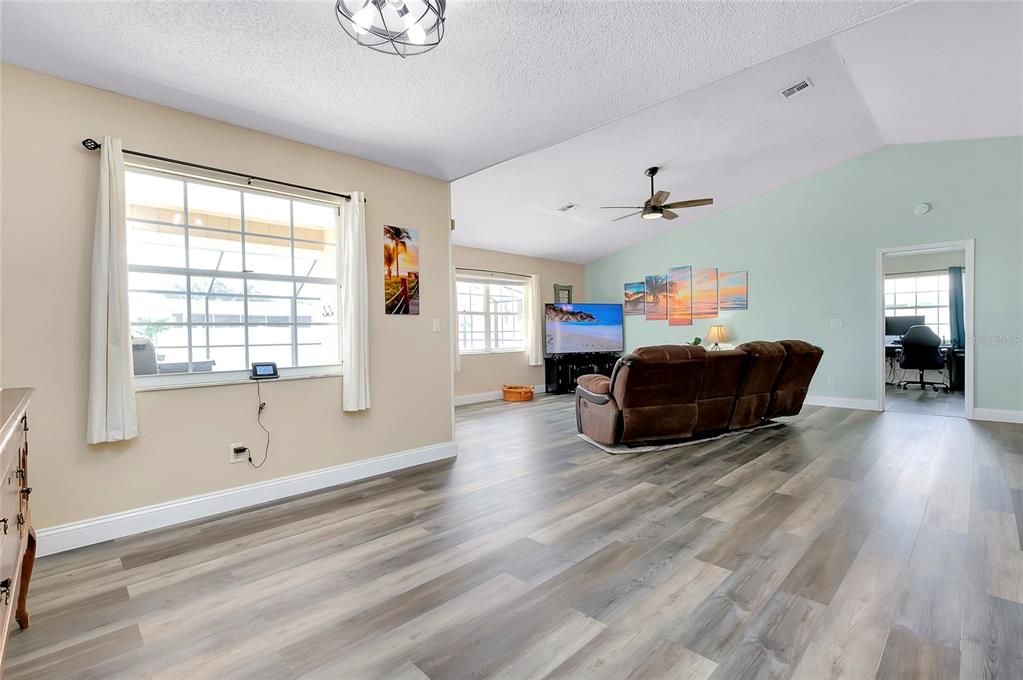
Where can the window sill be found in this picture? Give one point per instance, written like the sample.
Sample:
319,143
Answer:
160,383
478,352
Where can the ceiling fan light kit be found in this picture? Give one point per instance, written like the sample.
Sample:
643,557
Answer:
401,27
655,208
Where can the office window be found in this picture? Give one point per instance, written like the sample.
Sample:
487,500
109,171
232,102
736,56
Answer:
922,294
491,315
220,277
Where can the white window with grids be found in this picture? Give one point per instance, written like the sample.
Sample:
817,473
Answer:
220,276
921,294
491,314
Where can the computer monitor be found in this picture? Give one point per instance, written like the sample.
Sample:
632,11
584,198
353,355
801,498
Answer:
900,325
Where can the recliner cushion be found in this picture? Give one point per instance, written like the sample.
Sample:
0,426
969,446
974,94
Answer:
656,389
721,381
765,360
801,361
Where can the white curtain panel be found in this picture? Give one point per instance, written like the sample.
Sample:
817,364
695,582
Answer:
456,359
353,275
112,415
534,321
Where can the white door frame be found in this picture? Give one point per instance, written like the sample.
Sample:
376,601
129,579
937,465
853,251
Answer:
967,246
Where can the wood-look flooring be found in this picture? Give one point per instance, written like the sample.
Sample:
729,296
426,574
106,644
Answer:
847,544
927,402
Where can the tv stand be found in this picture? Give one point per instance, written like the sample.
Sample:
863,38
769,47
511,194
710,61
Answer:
562,370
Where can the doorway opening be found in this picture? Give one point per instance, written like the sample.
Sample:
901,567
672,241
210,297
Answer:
925,303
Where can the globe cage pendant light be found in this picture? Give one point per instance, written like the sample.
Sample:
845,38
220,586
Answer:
402,27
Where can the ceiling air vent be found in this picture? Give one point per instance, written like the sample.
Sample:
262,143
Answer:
790,92
568,206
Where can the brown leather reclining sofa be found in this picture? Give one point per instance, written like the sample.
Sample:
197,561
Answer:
677,392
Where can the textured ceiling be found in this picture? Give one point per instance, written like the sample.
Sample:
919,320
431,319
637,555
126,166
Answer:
929,71
510,77
941,70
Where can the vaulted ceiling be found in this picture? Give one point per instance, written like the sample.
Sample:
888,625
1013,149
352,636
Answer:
537,104
510,77
930,71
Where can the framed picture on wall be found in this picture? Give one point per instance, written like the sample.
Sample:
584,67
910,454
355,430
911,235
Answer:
562,294
401,270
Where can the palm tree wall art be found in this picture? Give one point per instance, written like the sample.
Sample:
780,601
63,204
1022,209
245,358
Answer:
401,275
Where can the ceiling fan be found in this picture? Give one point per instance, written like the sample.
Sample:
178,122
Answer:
655,208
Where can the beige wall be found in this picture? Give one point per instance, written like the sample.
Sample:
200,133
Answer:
488,372
48,203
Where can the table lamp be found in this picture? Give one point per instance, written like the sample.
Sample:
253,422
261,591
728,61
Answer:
716,334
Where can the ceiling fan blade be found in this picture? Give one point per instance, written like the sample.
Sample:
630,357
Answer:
693,203
659,198
624,216
621,207
668,215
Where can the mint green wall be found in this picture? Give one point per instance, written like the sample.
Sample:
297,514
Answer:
811,248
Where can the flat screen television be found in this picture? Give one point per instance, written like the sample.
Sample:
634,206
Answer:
575,328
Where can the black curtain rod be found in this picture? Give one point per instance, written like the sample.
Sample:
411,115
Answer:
93,145
943,270
491,271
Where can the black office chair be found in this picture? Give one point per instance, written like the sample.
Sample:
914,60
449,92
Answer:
921,351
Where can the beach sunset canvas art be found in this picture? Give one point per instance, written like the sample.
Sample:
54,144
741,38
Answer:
634,294
657,297
705,293
732,291
401,270
680,296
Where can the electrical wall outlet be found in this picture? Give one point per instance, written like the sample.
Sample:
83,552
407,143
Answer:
831,381
239,453
836,322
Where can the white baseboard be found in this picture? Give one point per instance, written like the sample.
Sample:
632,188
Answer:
477,398
998,415
842,402
98,529
496,395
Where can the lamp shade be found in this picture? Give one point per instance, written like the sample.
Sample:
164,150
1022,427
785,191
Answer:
716,334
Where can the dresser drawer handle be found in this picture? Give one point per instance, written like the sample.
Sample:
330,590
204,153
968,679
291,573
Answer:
20,520
25,491
20,473
5,590
4,520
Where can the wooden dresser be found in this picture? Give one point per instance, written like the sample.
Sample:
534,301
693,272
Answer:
17,539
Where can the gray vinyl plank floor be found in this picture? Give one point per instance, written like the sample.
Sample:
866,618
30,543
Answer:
925,401
847,544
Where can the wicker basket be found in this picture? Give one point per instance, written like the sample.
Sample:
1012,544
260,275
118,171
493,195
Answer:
517,393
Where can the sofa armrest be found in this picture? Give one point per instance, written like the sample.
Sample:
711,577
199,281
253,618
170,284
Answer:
594,388
595,384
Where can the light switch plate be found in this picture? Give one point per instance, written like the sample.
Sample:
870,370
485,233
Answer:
436,325
836,322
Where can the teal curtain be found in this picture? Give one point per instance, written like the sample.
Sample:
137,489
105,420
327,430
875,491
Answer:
955,307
